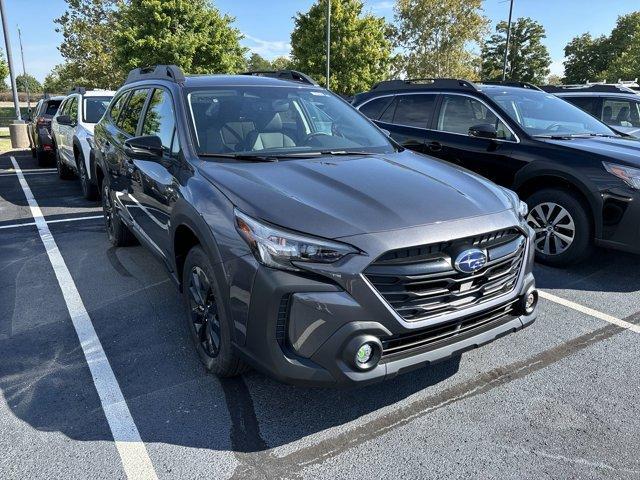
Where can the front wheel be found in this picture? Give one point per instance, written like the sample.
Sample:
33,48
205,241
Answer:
209,327
89,190
563,233
118,233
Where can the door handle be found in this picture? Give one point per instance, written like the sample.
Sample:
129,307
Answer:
435,146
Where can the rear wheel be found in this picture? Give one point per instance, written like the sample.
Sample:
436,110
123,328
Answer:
89,190
118,233
562,227
209,327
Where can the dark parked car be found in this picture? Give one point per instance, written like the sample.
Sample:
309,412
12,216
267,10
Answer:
304,241
616,105
39,128
579,177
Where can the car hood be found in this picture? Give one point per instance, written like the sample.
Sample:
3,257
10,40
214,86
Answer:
342,196
624,150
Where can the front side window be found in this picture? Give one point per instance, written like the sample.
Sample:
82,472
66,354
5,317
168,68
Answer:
542,114
94,108
280,120
160,119
128,119
621,112
459,113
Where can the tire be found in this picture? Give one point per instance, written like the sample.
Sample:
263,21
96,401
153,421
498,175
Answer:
118,233
64,172
89,190
564,234
208,324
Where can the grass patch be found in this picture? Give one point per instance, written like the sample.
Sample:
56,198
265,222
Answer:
8,114
5,140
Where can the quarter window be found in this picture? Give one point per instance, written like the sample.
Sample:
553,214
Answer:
128,120
160,119
116,106
459,113
73,109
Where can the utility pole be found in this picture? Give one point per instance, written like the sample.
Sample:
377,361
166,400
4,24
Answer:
328,41
7,43
506,48
24,71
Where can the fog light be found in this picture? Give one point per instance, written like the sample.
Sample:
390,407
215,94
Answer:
364,354
530,301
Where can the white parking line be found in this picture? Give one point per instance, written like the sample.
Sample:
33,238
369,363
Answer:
59,220
133,452
589,311
29,170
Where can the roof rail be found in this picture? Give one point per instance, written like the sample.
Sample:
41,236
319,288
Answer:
590,87
512,83
80,90
415,83
171,73
291,75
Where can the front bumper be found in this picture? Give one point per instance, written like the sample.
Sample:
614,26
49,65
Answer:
301,328
620,220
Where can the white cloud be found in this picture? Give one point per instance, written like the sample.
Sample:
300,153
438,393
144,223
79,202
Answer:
269,49
383,5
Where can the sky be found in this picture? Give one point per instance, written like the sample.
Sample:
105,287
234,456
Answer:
267,25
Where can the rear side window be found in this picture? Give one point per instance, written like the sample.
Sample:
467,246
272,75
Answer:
414,110
128,120
160,118
51,107
588,104
374,108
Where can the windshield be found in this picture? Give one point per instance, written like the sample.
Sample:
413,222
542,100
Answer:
545,115
279,121
94,108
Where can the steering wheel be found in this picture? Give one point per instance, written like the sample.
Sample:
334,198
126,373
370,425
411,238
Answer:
554,127
311,135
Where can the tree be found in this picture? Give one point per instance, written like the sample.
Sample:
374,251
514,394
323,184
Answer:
623,49
586,59
4,72
360,45
258,62
87,29
26,81
437,36
554,79
528,59
61,79
281,63
191,34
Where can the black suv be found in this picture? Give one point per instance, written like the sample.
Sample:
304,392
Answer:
305,242
616,105
39,128
579,177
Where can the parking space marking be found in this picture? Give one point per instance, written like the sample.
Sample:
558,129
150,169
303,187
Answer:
28,170
132,451
59,220
589,311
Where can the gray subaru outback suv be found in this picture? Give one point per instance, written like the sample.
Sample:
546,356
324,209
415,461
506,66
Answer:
305,242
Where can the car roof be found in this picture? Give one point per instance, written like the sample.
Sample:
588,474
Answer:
99,93
241,81
57,98
633,96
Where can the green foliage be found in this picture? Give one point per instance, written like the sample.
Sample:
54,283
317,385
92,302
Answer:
528,59
437,37
586,59
61,79
26,81
87,28
4,72
191,34
281,63
258,62
360,45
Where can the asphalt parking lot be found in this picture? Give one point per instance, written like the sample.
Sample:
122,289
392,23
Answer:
560,399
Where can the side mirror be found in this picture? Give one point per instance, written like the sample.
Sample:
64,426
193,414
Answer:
385,131
64,120
485,130
148,147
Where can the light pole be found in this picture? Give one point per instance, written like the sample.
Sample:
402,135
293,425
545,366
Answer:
24,72
506,48
7,43
328,41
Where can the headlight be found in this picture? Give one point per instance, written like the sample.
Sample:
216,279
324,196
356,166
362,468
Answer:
630,175
518,205
523,209
278,248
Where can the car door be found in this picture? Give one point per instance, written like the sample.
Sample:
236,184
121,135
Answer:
66,132
55,126
407,118
154,186
451,140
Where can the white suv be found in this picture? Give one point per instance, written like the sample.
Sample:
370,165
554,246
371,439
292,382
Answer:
72,131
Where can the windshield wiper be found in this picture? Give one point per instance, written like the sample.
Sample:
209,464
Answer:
242,156
344,152
555,137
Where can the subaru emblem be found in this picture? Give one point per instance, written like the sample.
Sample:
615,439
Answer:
470,261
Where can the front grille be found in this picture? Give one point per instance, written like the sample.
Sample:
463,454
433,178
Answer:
434,336
421,283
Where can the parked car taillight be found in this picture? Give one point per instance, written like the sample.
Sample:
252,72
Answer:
42,121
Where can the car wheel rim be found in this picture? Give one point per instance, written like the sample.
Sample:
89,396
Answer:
204,312
107,208
554,227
